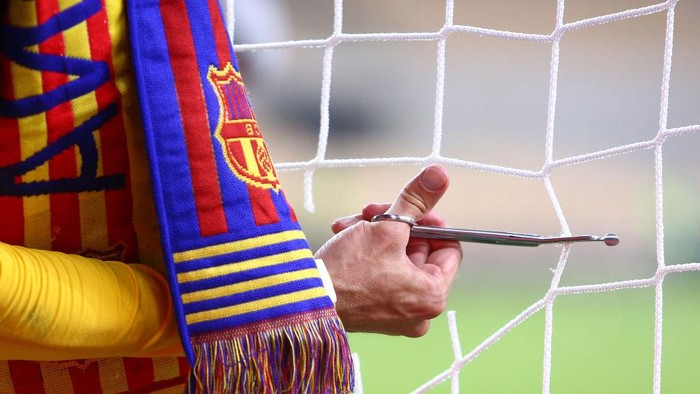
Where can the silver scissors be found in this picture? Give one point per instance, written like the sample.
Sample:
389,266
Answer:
489,237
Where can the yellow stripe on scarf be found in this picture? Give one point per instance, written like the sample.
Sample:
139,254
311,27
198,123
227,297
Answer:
266,261
244,244
250,285
253,306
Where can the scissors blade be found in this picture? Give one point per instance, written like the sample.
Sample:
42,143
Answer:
503,238
490,237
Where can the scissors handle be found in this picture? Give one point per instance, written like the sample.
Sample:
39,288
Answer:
489,237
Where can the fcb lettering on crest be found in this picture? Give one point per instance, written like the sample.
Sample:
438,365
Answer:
238,132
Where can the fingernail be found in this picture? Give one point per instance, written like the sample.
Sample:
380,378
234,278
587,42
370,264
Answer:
433,179
345,220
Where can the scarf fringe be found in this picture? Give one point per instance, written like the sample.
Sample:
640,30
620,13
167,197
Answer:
311,356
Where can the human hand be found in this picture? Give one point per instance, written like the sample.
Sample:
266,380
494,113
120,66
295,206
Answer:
387,282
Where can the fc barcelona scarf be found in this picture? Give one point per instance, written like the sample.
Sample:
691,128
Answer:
252,310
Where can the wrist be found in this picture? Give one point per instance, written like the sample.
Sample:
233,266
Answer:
326,278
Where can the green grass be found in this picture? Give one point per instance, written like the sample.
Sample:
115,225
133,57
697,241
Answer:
602,343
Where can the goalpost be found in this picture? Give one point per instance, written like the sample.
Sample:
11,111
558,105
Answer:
550,163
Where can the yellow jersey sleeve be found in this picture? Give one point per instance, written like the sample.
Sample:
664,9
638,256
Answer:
56,306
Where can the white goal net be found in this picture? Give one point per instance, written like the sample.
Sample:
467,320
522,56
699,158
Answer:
552,117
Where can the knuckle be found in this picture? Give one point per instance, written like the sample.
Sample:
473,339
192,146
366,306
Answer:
437,303
434,310
390,236
415,199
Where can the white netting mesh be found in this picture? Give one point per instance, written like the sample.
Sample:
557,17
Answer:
550,164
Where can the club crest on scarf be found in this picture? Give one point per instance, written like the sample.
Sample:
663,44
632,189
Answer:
238,132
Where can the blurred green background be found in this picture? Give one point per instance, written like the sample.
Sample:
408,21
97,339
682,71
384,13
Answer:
495,112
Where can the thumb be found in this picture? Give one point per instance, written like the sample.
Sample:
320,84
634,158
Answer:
421,194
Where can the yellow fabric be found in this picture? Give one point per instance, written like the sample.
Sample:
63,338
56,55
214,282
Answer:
55,306
244,244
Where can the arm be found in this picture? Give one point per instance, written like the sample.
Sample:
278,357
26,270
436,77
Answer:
386,283
46,313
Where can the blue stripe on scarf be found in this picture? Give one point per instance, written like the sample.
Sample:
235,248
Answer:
252,295
152,71
255,273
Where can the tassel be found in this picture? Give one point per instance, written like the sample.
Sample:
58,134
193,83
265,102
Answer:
299,354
